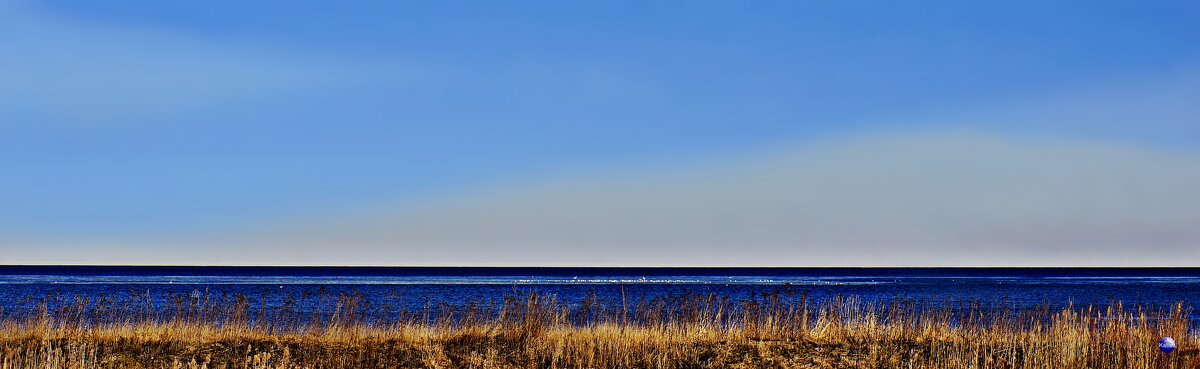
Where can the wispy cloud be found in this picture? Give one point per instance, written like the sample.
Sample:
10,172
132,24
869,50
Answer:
56,70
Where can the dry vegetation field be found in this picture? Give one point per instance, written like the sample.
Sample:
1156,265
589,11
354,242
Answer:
541,332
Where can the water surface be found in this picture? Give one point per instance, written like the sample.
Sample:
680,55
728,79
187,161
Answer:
385,290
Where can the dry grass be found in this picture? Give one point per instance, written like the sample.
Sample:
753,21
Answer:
541,332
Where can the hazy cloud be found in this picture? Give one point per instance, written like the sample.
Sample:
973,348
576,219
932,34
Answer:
937,199
915,200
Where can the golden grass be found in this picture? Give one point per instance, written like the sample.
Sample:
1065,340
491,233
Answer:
541,332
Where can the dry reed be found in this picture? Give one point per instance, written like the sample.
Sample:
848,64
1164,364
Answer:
537,331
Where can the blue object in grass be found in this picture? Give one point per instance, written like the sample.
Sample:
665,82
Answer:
1166,344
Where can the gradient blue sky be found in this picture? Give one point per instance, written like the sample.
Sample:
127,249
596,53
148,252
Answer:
168,119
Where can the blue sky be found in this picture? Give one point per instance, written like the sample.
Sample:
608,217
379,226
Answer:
121,120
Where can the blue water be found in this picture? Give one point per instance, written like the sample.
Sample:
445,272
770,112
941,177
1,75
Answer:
387,290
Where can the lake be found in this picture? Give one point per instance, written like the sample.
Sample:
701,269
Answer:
385,291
